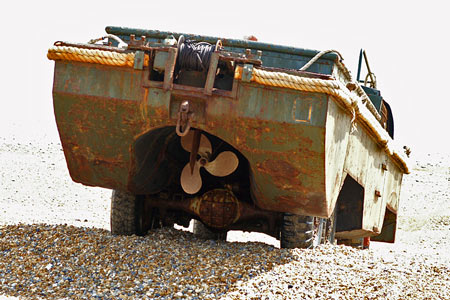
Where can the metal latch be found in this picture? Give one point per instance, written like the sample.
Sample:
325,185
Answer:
184,119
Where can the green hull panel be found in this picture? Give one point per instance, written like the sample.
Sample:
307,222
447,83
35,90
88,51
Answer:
101,111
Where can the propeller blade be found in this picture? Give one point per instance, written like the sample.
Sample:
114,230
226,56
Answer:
191,182
194,149
188,140
224,164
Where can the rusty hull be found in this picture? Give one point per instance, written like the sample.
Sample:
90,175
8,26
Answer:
101,111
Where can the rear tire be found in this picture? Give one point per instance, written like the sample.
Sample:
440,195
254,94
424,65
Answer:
123,215
302,231
130,215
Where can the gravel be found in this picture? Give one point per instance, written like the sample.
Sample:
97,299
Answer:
76,262
55,244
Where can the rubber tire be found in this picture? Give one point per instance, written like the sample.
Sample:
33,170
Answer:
123,214
203,232
299,231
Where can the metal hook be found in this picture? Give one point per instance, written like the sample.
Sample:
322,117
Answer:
184,119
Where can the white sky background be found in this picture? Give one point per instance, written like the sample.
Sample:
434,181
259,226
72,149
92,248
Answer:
407,43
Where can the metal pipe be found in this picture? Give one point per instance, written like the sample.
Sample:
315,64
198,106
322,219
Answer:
373,80
246,44
359,65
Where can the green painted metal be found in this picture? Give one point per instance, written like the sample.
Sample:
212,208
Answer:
139,60
246,44
374,96
278,56
117,128
160,60
101,111
247,71
95,119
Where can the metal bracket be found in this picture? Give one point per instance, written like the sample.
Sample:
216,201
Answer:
136,43
184,119
160,60
247,73
241,58
139,58
209,84
169,68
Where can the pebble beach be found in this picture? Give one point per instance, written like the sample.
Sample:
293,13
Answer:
55,244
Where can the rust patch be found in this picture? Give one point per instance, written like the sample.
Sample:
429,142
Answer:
106,162
311,204
144,108
278,168
218,208
284,174
287,201
79,167
278,140
306,143
160,112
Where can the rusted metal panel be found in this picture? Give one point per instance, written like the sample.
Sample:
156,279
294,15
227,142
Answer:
282,150
299,145
371,167
392,186
101,111
374,203
338,127
97,80
286,156
281,106
356,166
97,116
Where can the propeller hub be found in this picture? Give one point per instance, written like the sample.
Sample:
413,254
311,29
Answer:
197,144
203,161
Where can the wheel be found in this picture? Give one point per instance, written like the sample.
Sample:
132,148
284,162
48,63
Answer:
130,215
302,231
203,232
123,215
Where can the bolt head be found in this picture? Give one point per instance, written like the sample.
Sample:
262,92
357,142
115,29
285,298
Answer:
203,161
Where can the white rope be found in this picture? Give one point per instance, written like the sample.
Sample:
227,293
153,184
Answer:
122,44
317,56
351,101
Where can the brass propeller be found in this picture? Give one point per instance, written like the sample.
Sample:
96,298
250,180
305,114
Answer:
200,148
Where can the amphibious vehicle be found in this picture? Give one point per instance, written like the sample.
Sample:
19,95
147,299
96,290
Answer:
233,134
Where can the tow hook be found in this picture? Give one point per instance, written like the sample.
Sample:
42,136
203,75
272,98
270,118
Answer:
184,119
